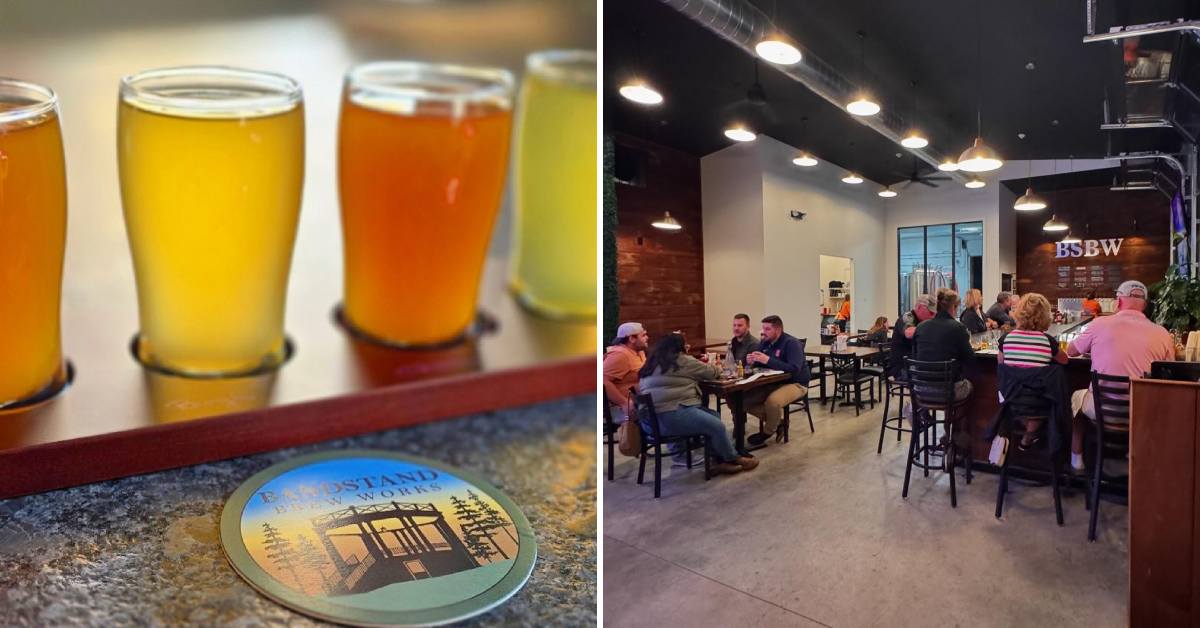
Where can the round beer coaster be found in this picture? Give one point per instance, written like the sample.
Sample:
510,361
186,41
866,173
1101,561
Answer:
374,538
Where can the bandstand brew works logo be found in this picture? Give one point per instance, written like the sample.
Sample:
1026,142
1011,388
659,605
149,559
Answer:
374,538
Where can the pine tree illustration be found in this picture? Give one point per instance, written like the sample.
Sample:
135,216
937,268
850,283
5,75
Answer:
478,520
478,548
279,550
315,560
491,517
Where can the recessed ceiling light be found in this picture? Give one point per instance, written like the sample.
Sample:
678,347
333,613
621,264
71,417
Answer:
778,51
887,192
863,105
948,166
975,184
641,93
740,134
805,159
852,178
914,139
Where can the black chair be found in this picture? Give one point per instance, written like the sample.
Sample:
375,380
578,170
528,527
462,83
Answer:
1110,397
932,391
610,436
653,438
876,365
1017,428
849,378
893,387
817,373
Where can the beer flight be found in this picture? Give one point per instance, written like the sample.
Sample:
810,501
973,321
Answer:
211,163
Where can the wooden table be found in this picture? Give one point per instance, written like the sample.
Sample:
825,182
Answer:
821,352
733,391
700,344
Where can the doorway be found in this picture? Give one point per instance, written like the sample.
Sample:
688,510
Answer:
837,287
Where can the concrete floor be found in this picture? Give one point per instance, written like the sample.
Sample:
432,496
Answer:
818,535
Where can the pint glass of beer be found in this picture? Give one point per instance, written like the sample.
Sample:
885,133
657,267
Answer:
422,155
212,165
33,232
553,268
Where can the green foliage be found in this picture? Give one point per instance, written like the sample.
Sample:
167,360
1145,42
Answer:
1175,302
609,274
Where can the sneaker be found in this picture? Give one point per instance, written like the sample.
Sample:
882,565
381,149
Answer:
726,468
747,463
757,439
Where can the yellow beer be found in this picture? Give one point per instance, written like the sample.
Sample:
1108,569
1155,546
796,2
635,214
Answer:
554,232
33,231
212,165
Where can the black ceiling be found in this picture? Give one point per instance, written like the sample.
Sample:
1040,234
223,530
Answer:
933,42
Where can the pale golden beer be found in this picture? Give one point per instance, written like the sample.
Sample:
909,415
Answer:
553,268
212,166
33,231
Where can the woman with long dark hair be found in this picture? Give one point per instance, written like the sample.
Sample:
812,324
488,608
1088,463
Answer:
671,377
878,333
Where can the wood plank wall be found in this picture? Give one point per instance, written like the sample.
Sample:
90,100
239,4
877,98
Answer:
1095,213
660,274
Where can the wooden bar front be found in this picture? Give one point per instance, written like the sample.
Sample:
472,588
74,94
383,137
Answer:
1164,504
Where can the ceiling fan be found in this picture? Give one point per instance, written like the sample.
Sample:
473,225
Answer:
923,179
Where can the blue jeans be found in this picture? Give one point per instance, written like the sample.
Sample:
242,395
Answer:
699,420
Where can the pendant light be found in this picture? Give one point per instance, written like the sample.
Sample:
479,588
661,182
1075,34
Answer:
888,192
1070,239
979,157
914,138
1029,201
805,158
776,48
948,165
852,178
975,183
1053,225
739,133
667,223
640,93
863,104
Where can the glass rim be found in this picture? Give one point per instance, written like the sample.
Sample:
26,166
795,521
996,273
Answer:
492,83
48,100
562,65
138,89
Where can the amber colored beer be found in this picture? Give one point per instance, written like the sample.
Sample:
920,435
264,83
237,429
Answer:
33,227
422,156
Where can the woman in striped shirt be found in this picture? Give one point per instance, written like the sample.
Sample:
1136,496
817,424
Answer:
1029,346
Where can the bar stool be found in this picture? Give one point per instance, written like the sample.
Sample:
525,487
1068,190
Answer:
932,390
897,387
1110,397
1017,428
610,436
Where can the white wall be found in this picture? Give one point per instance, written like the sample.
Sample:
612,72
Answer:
952,202
731,196
759,260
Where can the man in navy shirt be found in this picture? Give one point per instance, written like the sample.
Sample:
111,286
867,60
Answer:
781,352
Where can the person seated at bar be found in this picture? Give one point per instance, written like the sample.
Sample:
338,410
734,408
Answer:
877,334
622,361
1091,307
782,352
843,316
1029,347
670,376
902,333
944,338
999,312
1123,344
972,315
743,342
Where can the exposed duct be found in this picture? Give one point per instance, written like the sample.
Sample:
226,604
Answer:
744,25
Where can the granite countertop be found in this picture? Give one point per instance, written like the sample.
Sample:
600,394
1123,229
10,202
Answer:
146,550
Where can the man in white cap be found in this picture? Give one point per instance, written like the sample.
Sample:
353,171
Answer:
622,361
1123,344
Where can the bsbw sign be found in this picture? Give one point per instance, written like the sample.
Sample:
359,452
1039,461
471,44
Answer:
1088,248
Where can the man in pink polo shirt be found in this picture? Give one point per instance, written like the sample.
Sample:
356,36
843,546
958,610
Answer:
1123,344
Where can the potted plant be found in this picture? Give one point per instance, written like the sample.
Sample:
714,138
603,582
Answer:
1175,304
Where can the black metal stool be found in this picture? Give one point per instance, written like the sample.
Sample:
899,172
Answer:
898,387
1018,427
1110,398
932,391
